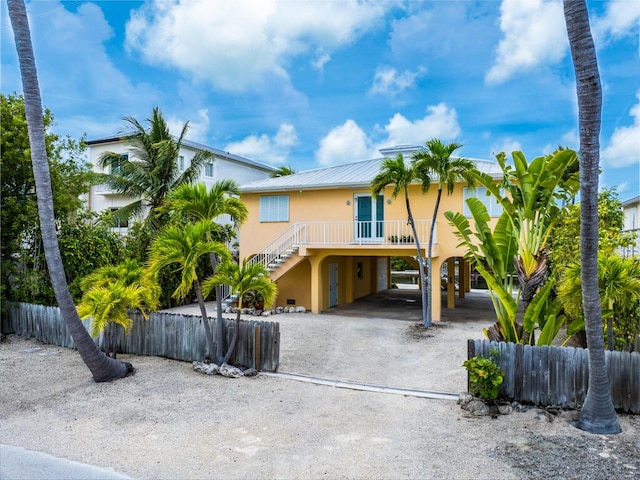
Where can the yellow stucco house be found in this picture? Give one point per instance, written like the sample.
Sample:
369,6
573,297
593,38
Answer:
326,241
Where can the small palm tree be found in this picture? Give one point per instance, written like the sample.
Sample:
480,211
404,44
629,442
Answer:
153,169
184,245
243,279
394,171
619,285
194,203
109,292
283,171
435,163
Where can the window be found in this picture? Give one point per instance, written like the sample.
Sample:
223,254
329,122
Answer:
274,208
116,222
493,207
181,163
114,167
208,169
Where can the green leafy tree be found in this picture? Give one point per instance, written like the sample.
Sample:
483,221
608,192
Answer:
619,284
182,246
109,293
195,203
395,172
152,171
19,229
436,163
102,367
243,279
597,414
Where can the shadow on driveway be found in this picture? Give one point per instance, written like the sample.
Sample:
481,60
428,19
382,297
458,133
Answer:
406,304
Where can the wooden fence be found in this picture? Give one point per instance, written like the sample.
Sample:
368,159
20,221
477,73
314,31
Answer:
180,337
559,375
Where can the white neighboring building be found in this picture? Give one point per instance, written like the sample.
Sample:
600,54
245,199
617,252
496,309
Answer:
223,165
631,209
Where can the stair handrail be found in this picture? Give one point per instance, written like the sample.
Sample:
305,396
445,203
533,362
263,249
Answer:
288,239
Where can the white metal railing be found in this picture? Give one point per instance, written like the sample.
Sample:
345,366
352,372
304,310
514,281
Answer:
388,232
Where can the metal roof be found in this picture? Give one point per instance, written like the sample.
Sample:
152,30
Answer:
356,174
194,146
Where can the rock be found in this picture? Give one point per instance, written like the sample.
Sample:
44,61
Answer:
230,371
206,368
279,309
257,313
250,372
300,310
266,313
229,310
464,399
478,408
246,311
505,409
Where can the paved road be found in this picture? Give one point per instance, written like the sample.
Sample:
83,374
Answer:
17,463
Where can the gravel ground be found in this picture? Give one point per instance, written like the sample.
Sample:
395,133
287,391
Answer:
168,421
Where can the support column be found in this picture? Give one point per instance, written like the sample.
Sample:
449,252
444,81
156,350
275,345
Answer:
434,284
451,286
467,275
349,279
317,300
462,277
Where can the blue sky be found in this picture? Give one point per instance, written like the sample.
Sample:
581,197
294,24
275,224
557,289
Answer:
316,83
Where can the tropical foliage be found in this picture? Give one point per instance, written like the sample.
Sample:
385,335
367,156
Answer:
529,194
182,246
152,171
395,172
619,283
109,292
243,279
436,163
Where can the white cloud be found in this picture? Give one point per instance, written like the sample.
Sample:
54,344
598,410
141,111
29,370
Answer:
320,60
235,45
265,148
624,145
388,81
343,144
441,121
198,128
621,18
507,146
534,34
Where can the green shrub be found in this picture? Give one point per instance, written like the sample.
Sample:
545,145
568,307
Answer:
485,377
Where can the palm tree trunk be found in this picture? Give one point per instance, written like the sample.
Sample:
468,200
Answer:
219,340
102,368
420,260
234,337
205,319
597,414
430,258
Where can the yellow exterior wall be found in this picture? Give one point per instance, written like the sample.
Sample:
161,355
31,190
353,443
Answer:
296,285
337,205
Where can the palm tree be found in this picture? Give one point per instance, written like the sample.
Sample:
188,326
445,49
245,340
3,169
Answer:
597,414
153,169
184,245
619,284
435,161
195,203
109,292
247,278
102,368
283,171
394,171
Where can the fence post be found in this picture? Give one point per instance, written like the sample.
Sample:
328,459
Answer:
257,344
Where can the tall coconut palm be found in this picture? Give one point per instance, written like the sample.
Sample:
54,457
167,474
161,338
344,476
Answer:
243,279
283,171
102,368
184,245
152,170
597,414
394,171
196,202
436,163
109,292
